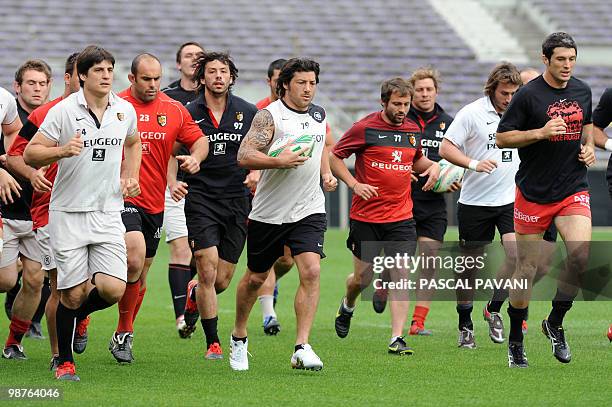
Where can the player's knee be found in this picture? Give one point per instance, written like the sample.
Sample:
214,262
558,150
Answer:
179,253
310,273
256,280
112,293
526,270
32,281
134,265
73,298
283,264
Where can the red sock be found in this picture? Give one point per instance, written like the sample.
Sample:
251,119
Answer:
420,315
139,303
17,330
126,307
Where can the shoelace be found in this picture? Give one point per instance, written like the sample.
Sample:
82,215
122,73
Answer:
239,351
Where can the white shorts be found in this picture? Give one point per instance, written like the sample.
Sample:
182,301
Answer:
175,223
18,238
86,243
44,243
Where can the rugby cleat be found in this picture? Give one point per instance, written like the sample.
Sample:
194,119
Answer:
214,352
238,358
496,325
556,335
271,326
517,356
66,371
120,346
79,343
191,314
306,359
466,338
180,327
379,300
343,320
35,331
399,347
14,352
416,329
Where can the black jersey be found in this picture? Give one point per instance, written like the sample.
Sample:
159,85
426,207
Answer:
20,208
549,170
602,116
433,126
220,176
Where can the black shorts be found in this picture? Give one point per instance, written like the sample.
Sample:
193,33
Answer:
135,219
430,217
551,233
477,223
367,240
266,242
221,223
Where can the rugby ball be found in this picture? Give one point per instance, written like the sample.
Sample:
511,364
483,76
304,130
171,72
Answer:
294,143
449,173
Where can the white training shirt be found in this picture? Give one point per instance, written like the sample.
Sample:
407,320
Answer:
8,107
289,195
473,132
89,181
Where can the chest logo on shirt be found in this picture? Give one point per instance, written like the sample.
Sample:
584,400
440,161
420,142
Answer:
396,155
239,116
412,140
572,114
120,116
146,147
442,126
506,156
98,154
219,149
161,119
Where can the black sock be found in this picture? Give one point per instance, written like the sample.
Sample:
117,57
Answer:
65,321
236,339
517,316
560,305
210,330
178,278
499,296
44,296
93,303
465,316
298,347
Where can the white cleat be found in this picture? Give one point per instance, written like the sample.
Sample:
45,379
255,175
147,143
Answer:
306,359
238,356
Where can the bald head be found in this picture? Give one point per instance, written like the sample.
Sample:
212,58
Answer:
150,58
145,77
528,74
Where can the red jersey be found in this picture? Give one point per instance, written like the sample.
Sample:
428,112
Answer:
39,208
160,123
384,155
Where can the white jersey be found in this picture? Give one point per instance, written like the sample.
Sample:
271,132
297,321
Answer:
289,195
8,107
473,132
89,181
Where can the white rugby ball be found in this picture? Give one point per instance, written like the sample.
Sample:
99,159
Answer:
449,173
306,142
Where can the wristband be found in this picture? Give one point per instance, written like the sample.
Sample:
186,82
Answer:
354,185
473,164
608,145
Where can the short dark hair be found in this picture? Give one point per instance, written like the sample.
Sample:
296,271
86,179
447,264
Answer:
504,72
290,68
180,50
140,57
274,65
399,85
222,57
70,63
33,65
91,56
555,40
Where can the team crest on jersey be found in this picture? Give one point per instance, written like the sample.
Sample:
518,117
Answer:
397,156
412,140
239,116
442,125
120,116
161,119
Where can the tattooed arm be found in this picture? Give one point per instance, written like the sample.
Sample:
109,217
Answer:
259,136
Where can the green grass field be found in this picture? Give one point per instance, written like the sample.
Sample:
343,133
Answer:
358,370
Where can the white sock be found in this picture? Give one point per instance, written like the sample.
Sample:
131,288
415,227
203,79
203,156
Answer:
346,307
267,306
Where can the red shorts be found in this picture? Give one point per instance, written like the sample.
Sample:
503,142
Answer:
534,218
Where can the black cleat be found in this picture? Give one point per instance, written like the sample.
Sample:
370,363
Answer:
343,320
466,338
271,326
560,348
120,346
517,356
14,352
191,314
35,331
399,347
54,364
79,343
379,300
